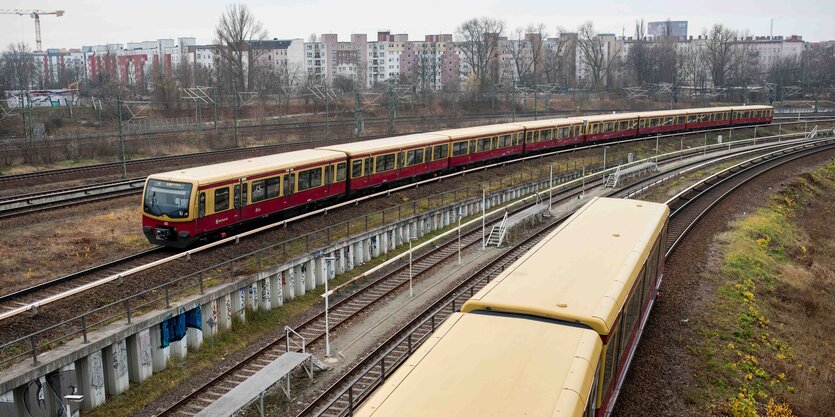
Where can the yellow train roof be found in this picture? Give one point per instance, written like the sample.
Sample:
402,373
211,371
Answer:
476,131
392,144
583,271
539,124
610,117
662,113
208,174
487,365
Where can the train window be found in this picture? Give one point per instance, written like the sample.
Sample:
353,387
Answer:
310,178
624,125
340,171
384,163
473,146
633,307
519,138
221,199
356,168
611,358
495,142
441,152
669,121
259,191
653,122
273,187
414,157
595,128
459,148
483,144
289,184
328,174
610,126
506,141
368,166
529,138
245,194
201,205
401,159
681,120
578,130
545,135
237,195
691,118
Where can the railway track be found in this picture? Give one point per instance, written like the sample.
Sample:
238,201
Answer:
115,168
31,203
342,397
34,297
35,202
340,313
690,205
314,329
77,281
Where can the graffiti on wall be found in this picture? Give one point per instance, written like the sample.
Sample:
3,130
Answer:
174,328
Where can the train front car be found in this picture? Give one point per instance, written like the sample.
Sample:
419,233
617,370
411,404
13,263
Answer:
169,210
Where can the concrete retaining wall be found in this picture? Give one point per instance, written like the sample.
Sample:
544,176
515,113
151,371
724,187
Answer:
120,354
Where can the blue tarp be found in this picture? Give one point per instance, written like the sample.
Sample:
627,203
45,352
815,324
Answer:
174,328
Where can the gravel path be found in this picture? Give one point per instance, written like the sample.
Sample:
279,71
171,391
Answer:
662,373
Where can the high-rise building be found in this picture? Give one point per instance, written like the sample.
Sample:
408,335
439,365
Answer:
676,29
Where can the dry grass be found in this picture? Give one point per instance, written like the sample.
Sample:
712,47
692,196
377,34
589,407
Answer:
768,349
50,248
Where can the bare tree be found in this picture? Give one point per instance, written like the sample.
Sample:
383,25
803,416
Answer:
536,35
520,56
558,58
744,68
479,43
19,66
164,87
719,53
596,54
816,71
639,61
235,30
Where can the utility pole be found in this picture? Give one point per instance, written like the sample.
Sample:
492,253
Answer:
214,106
390,109
122,139
513,98
235,128
357,112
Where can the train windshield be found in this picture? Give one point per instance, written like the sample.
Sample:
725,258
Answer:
165,198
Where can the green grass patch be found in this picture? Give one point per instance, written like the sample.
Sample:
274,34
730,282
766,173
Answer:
762,343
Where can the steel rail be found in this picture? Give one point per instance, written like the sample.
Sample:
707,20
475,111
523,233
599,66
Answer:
30,203
236,238
741,172
16,295
115,165
341,397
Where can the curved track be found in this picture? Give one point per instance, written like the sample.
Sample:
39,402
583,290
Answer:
342,397
29,203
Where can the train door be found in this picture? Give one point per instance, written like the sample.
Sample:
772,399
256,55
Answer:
329,176
201,212
239,194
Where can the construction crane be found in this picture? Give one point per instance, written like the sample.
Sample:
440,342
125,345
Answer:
34,14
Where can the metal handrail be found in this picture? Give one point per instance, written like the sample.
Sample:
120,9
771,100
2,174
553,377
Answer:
230,266
287,332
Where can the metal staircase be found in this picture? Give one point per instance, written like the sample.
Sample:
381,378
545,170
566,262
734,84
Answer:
498,233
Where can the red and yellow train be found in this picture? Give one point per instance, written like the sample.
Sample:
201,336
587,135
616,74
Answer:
184,206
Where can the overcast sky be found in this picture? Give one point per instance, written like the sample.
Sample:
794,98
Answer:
89,22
